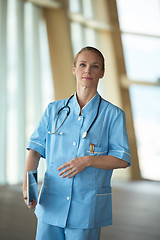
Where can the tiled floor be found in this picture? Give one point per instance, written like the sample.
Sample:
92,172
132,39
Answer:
136,213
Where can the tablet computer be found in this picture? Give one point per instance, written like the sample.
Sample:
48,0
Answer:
32,186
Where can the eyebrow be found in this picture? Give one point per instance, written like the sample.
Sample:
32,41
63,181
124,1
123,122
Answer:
92,63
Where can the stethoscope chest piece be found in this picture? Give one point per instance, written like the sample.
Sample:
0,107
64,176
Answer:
84,135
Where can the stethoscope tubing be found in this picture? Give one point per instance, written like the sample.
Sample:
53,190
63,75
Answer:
66,106
96,115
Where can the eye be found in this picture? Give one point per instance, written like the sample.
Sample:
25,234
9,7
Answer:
82,65
95,66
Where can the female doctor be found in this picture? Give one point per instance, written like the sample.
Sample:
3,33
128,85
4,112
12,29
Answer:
83,139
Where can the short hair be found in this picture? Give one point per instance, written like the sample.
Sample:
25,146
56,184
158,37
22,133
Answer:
92,49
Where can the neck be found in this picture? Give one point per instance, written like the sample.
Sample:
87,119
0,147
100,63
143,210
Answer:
84,96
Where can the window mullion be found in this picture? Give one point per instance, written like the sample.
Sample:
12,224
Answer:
3,101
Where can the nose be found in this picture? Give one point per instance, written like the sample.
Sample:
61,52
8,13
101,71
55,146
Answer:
88,69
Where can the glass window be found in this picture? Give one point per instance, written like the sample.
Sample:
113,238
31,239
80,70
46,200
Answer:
47,86
141,16
12,95
36,82
90,36
82,6
142,57
146,114
39,91
75,6
80,34
87,6
77,36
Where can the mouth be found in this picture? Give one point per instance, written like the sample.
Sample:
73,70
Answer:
87,78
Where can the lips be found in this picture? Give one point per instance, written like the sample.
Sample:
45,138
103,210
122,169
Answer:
87,78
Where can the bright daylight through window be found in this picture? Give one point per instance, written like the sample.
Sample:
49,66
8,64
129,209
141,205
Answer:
29,85
140,28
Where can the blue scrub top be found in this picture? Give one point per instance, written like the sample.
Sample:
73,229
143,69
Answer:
84,201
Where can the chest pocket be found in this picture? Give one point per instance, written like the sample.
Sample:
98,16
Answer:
98,151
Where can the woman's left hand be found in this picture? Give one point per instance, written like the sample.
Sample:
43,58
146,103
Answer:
73,167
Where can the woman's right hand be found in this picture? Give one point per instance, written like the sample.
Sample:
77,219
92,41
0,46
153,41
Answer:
33,202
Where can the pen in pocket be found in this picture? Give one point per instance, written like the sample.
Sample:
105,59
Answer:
91,148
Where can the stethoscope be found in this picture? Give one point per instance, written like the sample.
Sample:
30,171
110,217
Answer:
68,112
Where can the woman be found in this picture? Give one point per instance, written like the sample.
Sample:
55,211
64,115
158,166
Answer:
82,143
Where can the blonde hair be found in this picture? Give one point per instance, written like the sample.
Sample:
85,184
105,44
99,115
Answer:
92,49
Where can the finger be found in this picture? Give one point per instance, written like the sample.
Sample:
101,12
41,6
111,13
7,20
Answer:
65,170
33,204
63,166
25,200
68,173
73,174
24,194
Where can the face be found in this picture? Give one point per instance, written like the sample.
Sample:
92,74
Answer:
88,69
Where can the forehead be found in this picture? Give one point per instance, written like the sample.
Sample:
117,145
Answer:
89,57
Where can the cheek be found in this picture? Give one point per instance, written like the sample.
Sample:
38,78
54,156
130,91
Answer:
80,72
78,75
98,75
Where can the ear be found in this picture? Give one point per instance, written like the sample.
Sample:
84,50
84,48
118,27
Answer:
102,74
73,70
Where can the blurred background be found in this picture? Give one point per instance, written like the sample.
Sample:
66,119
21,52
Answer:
38,41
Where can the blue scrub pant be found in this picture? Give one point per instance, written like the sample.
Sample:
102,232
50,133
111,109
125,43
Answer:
50,232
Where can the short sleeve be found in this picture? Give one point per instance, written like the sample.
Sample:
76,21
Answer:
118,138
37,141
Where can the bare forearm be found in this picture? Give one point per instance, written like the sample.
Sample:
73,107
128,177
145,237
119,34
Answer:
76,165
106,162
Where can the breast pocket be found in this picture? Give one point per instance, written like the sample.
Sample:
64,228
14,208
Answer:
103,205
97,151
